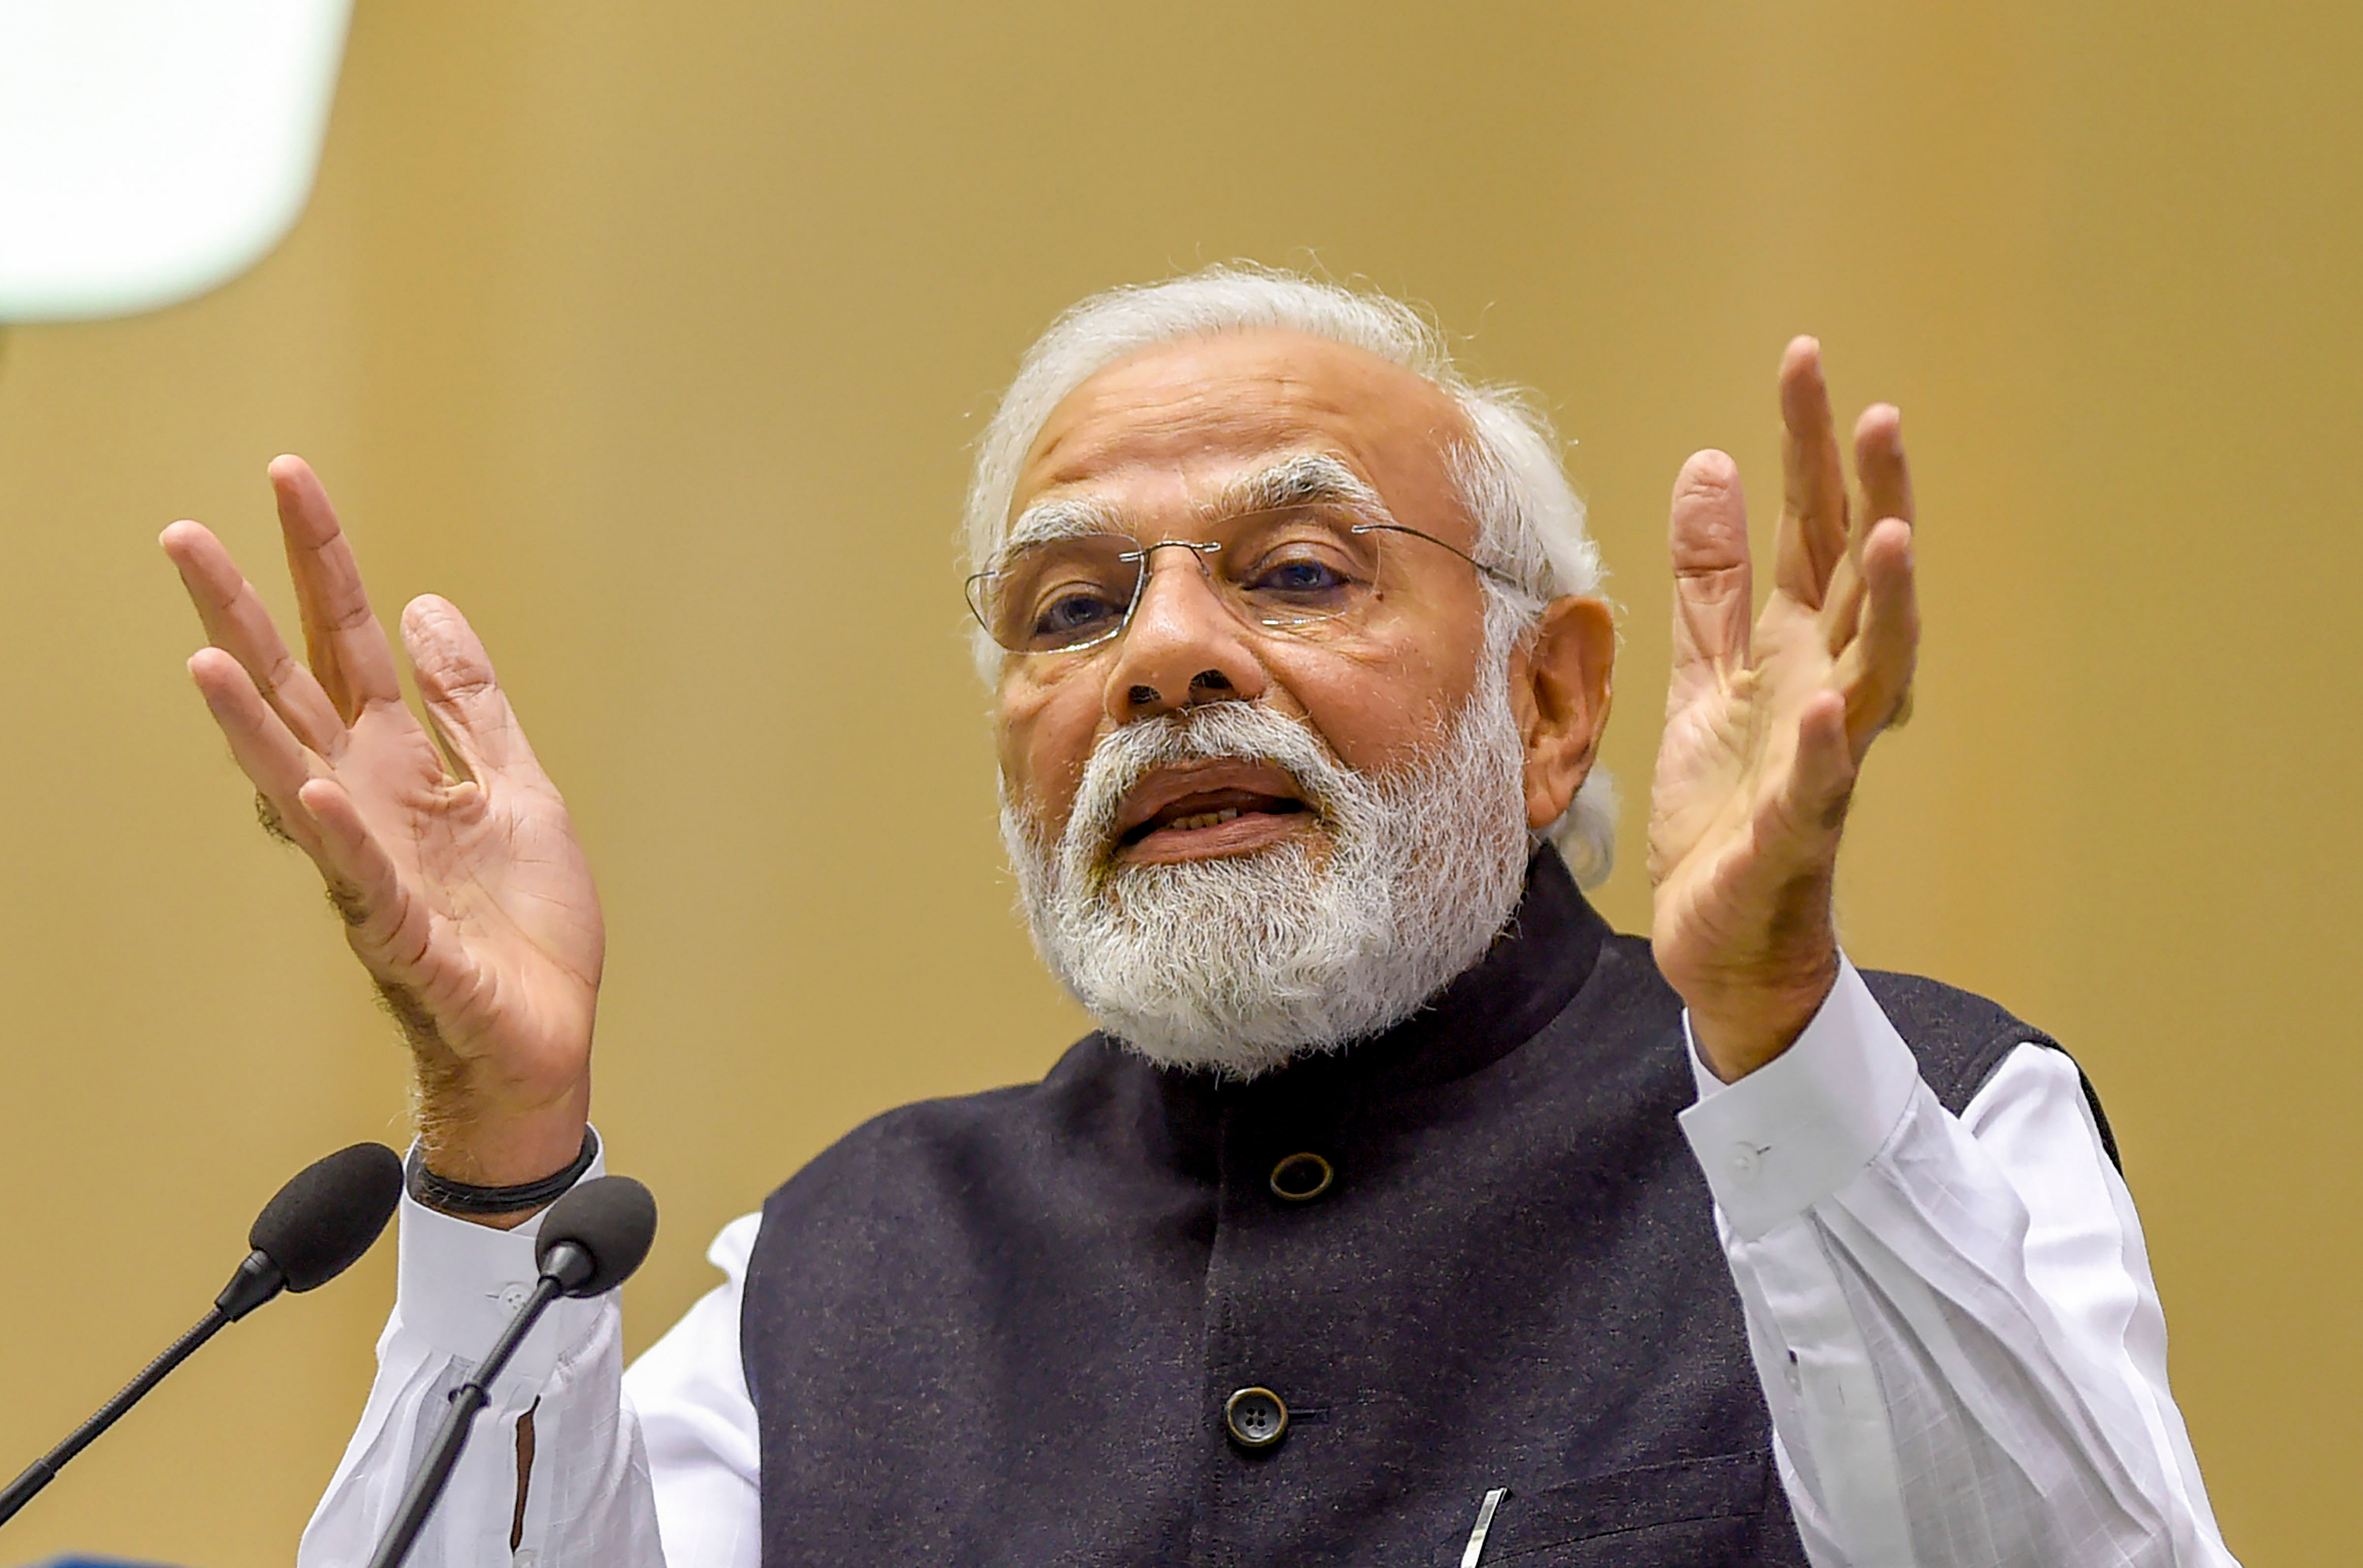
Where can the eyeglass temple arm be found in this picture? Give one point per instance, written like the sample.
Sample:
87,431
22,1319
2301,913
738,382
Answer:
1495,573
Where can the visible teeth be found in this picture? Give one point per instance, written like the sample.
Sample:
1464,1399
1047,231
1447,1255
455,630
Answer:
1205,818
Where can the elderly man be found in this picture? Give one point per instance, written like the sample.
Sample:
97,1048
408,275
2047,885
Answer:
1394,1213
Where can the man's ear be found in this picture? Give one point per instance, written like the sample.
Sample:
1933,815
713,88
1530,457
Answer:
1559,685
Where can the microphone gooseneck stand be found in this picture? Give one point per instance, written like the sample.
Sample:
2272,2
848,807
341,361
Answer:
314,1229
44,1470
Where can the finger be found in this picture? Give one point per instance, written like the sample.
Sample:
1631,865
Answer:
1879,464
1841,610
469,711
1886,493
1813,534
263,747
236,622
1712,586
386,923
345,645
1875,672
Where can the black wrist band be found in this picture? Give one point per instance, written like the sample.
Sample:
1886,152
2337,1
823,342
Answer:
448,1196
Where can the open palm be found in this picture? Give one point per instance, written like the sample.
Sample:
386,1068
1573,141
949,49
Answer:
1767,725
463,889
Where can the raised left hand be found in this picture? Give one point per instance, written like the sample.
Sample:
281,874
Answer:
1767,729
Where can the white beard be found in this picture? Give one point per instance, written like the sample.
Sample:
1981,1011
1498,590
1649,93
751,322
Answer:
1241,963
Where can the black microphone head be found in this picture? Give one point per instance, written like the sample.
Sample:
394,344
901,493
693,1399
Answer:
613,1219
328,1214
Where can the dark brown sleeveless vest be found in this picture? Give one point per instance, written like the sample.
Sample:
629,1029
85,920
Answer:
1006,1329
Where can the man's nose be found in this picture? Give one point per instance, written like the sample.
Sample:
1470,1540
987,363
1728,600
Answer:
1183,645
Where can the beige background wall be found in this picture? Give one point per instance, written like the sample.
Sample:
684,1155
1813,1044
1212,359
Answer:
654,337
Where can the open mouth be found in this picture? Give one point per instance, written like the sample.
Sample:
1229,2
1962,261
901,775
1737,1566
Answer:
1210,808
1199,810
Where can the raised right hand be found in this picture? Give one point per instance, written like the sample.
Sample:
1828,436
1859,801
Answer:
466,897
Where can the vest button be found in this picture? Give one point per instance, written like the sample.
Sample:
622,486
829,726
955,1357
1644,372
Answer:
1301,1178
1254,1417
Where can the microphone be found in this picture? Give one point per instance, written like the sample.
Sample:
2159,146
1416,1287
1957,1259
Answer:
316,1227
589,1242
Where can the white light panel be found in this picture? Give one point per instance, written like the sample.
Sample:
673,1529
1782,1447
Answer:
150,150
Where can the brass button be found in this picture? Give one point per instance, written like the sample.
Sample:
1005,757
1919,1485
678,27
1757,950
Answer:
1301,1178
1254,1417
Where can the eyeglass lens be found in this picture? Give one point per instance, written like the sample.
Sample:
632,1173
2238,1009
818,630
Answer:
1292,568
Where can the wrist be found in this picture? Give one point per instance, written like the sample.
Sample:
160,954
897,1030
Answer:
470,1139
501,1207
1741,1023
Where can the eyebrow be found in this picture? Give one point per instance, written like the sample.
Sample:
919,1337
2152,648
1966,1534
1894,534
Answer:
1047,521
1307,479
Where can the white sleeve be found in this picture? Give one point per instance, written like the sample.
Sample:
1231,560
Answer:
1953,1320
698,1422
616,1481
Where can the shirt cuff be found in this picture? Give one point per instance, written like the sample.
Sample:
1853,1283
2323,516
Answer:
1798,1128
458,1284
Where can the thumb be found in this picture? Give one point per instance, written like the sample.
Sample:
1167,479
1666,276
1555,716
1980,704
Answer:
463,695
1819,785
1714,591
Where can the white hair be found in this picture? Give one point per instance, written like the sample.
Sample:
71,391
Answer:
1529,519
